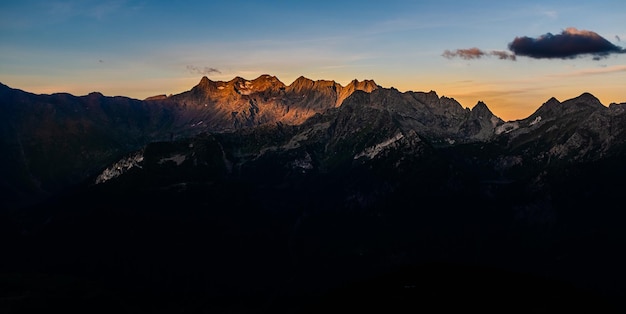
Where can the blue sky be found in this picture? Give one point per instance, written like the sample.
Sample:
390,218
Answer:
143,48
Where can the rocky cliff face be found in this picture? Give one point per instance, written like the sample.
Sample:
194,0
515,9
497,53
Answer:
441,119
239,103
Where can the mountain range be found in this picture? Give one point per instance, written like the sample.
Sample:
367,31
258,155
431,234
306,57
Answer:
258,196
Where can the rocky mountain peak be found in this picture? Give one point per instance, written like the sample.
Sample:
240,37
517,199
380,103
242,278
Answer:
236,80
266,78
587,95
355,85
204,81
204,85
430,99
552,102
546,108
95,95
482,111
481,108
586,99
265,82
302,82
365,85
437,104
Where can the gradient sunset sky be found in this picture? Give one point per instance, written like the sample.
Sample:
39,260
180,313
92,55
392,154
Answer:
144,48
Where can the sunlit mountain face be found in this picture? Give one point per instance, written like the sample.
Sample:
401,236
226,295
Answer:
256,196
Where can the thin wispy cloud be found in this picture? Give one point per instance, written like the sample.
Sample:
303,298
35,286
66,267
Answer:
570,43
503,55
475,53
598,71
550,14
65,9
106,8
202,70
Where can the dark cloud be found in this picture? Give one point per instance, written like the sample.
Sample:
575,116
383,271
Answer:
568,44
202,70
617,37
475,53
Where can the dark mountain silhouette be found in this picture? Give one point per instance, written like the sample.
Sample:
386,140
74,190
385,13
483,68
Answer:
315,197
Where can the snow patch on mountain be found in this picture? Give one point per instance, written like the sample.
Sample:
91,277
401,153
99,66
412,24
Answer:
537,120
494,121
372,151
507,127
178,159
305,163
120,167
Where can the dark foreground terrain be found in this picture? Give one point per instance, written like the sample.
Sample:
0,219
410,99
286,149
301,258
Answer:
390,202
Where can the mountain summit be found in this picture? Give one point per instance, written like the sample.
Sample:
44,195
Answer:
241,103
